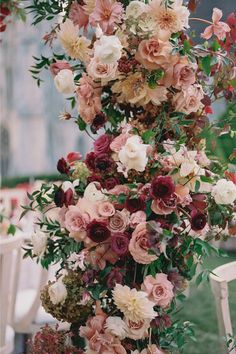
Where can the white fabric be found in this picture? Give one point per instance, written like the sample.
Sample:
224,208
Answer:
9,344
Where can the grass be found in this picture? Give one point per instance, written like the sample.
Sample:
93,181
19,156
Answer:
199,308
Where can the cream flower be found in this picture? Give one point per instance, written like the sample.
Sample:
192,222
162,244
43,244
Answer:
64,82
116,326
135,9
39,242
134,304
57,292
224,192
76,47
133,155
93,194
108,49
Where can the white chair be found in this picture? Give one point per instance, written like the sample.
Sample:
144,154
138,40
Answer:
219,284
10,251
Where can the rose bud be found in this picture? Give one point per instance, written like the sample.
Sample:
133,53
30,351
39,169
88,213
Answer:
162,187
97,231
68,197
59,198
135,204
120,243
62,166
198,220
114,277
73,156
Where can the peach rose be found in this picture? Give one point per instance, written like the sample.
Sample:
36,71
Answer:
159,289
189,100
106,209
137,330
75,222
184,74
100,71
140,245
119,221
164,207
153,53
137,218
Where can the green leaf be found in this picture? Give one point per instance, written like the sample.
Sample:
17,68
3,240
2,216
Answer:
147,136
187,46
82,125
11,230
197,186
206,64
215,46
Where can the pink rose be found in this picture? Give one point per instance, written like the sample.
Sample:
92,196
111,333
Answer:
153,53
119,189
106,209
140,245
159,289
137,218
117,144
100,71
119,221
102,253
218,28
76,222
102,144
164,206
184,74
138,330
189,100
55,68
88,208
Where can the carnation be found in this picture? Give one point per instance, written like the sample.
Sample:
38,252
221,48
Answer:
134,304
224,192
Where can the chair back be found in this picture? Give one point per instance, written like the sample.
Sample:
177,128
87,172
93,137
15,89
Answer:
10,251
219,284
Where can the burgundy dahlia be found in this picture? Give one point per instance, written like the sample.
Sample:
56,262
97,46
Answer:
198,220
102,144
120,243
103,163
97,231
62,166
162,187
135,204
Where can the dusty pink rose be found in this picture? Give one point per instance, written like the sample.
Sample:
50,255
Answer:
89,99
106,209
100,71
137,330
102,253
55,68
119,142
106,14
119,189
159,289
102,144
140,245
183,74
189,100
75,222
78,16
164,206
137,218
93,325
153,53
218,28
119,221
86,207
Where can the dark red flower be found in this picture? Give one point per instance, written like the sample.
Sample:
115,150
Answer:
94,178
114,277
163,321
62,166
73,156
88,276
103,163
120,243
98,122
4,10
176,279
198,220
135,204
97,231
59,198
162,187
69,197
110,183
102,144
89,160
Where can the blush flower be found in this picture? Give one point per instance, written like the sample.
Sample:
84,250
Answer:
101,71
189,100
183,74
102,144
159,289
118,222
134,304
106,209
218,28
76,222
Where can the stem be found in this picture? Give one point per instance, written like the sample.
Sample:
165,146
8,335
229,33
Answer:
89,135
201,20
215,53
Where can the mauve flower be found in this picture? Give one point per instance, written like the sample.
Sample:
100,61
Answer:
184,74
103,163
188,100
89,276
98,122
137,218
97,231
177,280
76,222
110,183
162,187
118,222
102,144
106,14
164,206
115,277
134,204
163,321
198,220
55,68
62,166
89,160
218,28
120,243
159,289
117,143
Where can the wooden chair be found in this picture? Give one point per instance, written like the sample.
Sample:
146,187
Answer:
10,253
219,284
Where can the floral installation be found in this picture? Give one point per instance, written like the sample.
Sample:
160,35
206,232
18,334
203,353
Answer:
134,217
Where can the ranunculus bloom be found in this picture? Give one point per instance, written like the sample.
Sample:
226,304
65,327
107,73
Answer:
103,163
64,82
110,183
98,122
102,144
135,204
137,330
55,68
97,231
159,289
189,100
218,28
120,244
140,245
162,187
198,220
106,13
153,53
106,209
224,192
118,222
62,166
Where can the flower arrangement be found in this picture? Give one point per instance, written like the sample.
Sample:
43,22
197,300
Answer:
9,8
134,217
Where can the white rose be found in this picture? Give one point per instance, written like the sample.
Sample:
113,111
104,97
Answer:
93,194
68,185
39,242
224,192
134,154
64,82
116,326
135,9
108,49
57,292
